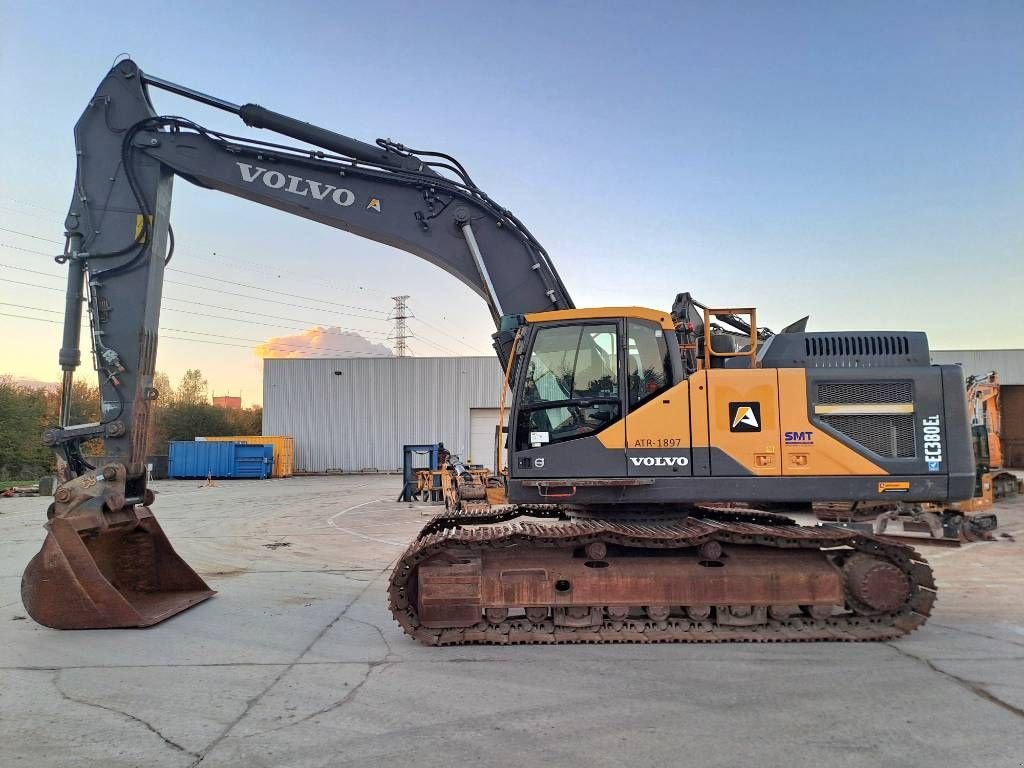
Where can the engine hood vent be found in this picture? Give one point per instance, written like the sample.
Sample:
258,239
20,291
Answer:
846,349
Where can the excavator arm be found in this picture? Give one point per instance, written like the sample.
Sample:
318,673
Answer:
119,236
103,545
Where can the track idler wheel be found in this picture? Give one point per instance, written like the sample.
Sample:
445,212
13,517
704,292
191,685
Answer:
879,585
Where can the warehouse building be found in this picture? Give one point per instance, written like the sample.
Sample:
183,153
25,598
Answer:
355,414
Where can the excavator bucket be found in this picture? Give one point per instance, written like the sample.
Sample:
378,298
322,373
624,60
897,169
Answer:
105,577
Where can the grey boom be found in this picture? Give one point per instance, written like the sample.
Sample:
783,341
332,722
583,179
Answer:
118,233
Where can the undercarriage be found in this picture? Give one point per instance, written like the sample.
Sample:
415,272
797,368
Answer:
539,574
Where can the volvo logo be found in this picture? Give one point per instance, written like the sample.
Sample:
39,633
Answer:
296,185
659,461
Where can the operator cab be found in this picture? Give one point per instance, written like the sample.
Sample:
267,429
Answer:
579,373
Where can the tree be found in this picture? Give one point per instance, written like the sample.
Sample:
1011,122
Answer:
23,416
186,413
193,389
25,412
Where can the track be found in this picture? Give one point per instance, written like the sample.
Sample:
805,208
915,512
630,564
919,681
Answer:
470,533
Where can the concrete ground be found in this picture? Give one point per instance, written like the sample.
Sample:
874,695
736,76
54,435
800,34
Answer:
296,662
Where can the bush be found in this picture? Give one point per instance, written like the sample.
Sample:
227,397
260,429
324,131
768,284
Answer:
182,414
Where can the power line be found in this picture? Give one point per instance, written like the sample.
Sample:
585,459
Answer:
39,319
186,312
33,214
25,306
434,344
230,282
34,285
443,333
188,301
173,309
279,293
207,277
34,237
30,205
455,337
274,301
200,333
260,298
358,331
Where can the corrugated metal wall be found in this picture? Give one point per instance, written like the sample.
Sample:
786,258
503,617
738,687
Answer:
1008,363
351,414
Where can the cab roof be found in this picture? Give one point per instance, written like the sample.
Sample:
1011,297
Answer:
664,319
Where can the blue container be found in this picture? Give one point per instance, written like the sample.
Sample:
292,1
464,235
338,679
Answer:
217,459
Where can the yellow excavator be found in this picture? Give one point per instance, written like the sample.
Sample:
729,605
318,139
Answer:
650,453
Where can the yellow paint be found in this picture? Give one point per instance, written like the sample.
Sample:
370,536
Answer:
284,450
140,233
664,319
663,421
613,436
889,486
826,456
699,433
756,451
863,409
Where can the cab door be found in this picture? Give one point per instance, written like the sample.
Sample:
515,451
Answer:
658,411
569,393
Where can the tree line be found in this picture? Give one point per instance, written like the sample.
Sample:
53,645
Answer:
180,413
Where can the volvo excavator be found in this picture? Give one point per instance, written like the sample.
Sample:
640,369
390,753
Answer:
651,454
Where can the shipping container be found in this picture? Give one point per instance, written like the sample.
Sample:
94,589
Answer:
284,449
219,459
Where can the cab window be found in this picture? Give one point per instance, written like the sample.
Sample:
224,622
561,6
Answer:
572,384
648,368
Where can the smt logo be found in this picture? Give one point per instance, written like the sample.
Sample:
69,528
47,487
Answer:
744,417
297,185
800,438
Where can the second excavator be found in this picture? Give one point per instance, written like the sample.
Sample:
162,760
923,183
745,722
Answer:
649,452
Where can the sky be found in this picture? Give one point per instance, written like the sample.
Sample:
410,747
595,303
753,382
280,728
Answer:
859,162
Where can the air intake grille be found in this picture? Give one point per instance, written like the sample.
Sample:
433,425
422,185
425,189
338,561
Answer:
856,345
839,392
891,436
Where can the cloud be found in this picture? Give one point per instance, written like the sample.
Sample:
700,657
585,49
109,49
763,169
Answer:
321,342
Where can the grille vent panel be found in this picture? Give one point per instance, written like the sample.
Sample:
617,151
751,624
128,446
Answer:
821,345
842,392
891,436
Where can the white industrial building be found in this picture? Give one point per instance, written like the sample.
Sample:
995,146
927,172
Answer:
355,414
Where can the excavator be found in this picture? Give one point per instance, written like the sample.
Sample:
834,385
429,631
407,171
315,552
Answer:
651,454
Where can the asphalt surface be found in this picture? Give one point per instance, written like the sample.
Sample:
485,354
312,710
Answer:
297,662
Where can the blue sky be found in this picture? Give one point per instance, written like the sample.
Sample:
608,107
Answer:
859,162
